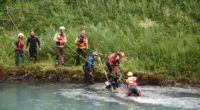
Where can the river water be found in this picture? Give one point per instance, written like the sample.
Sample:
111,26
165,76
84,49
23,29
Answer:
23,96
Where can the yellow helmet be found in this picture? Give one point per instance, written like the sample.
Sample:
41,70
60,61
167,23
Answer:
21,35
129,74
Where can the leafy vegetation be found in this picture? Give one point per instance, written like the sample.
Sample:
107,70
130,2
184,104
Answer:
157,35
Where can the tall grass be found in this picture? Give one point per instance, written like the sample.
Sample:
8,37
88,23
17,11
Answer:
157,35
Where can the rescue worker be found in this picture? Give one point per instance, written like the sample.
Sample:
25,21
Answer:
114,72
60,39
33,43
82,44
133,88
88,68
19,49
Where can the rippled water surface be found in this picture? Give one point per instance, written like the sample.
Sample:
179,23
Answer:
82,97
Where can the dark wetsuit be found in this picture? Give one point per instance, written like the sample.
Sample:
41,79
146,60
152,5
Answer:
133,91
88,67
33,41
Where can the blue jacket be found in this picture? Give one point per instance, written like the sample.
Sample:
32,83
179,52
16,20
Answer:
89,63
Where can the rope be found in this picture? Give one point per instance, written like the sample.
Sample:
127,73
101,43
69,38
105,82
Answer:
12,19
82,56
100,67
104,70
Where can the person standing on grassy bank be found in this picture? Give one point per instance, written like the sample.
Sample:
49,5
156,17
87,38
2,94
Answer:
60,39
19,49
82,43
88,68
33,47
113,67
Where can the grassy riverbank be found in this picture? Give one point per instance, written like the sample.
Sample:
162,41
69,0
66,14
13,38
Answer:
161,36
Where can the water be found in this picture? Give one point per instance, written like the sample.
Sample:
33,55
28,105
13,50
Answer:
23,96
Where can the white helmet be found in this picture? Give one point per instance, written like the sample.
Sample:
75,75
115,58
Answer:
83,31
62,27
20,35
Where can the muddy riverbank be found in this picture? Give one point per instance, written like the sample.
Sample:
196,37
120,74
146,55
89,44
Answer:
68,75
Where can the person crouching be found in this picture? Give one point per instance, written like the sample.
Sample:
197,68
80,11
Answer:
133,88
113,63
88,68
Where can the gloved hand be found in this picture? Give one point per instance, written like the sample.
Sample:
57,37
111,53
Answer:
117,63
91,74
16,48
118,74
24,51
99,58
62,42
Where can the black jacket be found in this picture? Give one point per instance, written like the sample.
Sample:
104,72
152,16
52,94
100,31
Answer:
33,40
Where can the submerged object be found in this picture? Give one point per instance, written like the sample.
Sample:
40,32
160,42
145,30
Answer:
135,91
108,85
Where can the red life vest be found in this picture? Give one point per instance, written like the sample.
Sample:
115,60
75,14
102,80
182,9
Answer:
132,81
112,59
20,43
61,37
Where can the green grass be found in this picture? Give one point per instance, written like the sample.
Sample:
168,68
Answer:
157,35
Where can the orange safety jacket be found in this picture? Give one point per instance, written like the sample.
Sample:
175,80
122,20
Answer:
82,42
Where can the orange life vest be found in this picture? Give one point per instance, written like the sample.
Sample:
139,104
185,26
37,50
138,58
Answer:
82,42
